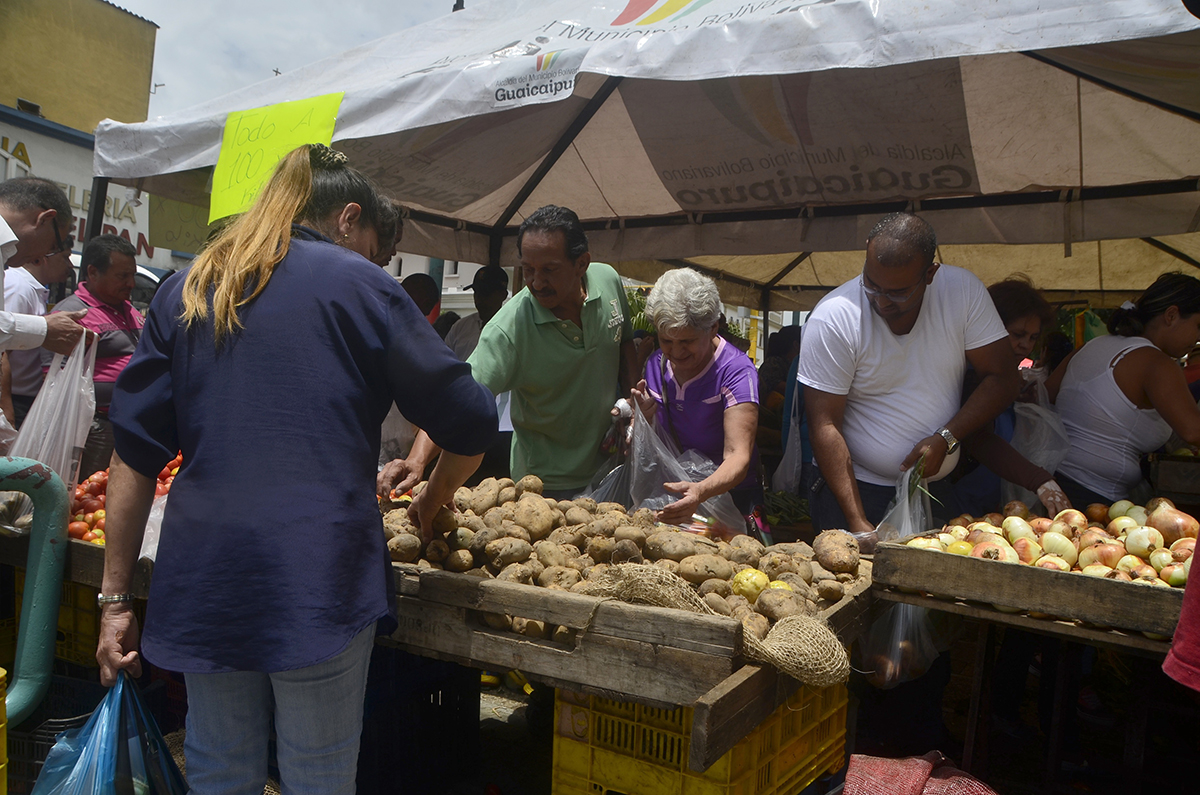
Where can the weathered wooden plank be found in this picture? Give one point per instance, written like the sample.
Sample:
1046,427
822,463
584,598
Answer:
1098,601
658,673
719,635
84,564
1118,639
703,633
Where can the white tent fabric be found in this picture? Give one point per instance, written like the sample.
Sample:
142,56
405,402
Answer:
682,128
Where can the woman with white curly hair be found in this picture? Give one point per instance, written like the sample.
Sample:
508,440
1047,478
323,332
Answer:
703,391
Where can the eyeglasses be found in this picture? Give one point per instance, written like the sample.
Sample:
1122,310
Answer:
895,296
60,245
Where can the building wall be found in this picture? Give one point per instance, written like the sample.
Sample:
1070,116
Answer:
81,60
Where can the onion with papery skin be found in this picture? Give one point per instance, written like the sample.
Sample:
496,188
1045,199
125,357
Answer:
964,519
1095,570
1015,527
1027,550
1119,508
946,539
1017,508
958,531
1072,517
1138,514
1157,583
1129,563
922,542
1106,554
980,535
1161,558
1052,562
1059,544
1122,524
1117,574
1144,572
959,548
1040,524
990,550
1063,529
1184,543
1153,503
1092,536
1172,523
1174,575
993,518
1141,541
983,526
1096,512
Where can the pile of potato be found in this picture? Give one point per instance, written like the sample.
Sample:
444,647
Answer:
508,531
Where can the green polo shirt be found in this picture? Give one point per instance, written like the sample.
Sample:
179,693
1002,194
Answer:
563,379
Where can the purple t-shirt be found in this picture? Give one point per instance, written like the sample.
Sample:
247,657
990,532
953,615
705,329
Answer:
697,407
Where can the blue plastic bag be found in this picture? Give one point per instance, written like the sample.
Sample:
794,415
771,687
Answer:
119,751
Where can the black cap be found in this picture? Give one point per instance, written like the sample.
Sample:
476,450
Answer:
489,278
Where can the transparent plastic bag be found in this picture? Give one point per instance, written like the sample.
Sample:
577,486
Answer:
56,428
611,482
654,461
900,645
1041,437
119,750
153,528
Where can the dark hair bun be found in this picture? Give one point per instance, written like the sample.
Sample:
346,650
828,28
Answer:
322,157
1126,323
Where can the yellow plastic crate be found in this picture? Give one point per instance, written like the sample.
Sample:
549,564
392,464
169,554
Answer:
78,621
603,746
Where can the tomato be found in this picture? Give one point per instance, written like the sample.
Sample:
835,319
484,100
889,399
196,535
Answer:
102,498
99,526
89,536
174,471
77,529
94,488
161,489
100,514
77,516
90,518
92,505
166,472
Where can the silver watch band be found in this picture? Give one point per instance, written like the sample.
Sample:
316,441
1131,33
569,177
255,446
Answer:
109,599
948,437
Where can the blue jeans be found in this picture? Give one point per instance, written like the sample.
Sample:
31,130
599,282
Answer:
318,722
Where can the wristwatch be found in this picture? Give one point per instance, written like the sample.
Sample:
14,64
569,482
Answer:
102,599
951,442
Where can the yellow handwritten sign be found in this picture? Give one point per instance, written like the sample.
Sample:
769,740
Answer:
256,140
177,225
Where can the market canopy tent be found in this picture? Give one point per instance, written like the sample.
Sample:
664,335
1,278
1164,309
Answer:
1102,273
680,128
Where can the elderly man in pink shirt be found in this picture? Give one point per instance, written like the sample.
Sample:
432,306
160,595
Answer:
108,263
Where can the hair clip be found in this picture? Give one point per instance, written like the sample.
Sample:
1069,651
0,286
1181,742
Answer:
321,156
1129,306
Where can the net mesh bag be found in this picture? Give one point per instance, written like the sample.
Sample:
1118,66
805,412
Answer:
802,647
931,774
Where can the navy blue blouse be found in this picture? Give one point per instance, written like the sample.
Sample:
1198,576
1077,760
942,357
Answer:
272,555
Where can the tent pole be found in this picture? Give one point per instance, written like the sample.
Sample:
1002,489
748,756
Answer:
1174,252
560,146
95,216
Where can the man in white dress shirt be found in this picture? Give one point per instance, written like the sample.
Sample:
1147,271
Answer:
35,220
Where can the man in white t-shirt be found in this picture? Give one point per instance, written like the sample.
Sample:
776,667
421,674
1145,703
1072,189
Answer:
882,367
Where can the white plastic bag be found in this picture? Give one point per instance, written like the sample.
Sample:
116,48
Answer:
153,528
910,510
654,461
56,428
1041,437
788,473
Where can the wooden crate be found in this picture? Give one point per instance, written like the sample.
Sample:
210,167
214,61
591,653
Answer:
1107,603
655,656
1176,477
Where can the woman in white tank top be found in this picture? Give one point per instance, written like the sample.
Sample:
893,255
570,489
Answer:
1120,396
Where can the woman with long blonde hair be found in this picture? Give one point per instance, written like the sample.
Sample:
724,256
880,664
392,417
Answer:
270,364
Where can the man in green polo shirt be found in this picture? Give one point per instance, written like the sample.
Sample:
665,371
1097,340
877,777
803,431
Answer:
563,347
